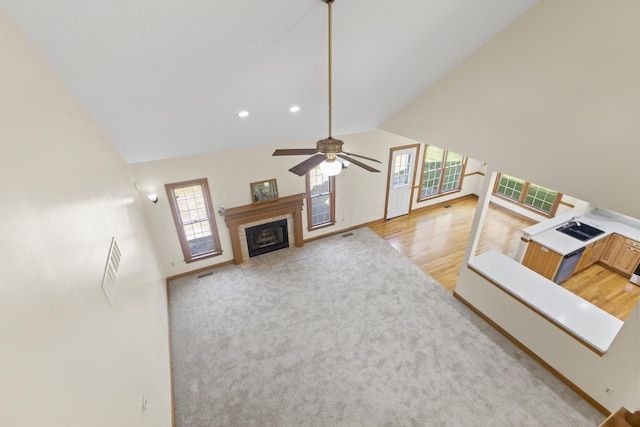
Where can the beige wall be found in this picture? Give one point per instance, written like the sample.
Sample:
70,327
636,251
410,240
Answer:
540,101
360,195
553,99
67,357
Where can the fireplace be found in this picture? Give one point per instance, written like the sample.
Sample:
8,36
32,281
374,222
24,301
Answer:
241,218
267,237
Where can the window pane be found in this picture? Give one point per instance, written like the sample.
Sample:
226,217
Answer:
451,178
319,183
196,229
431,183
433,159
319,188
540,198
194,217
442,172
510,187
321,210
452,172
401,170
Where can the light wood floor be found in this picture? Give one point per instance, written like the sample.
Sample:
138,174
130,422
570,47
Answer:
435,238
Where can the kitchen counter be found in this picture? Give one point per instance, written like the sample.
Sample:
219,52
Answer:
545,233
589,324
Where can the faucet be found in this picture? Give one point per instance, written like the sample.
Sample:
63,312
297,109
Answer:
575,220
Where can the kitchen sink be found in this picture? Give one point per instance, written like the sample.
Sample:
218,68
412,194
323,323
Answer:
579,231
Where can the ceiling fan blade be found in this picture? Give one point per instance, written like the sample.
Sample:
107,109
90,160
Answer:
295,152
302,168
362,157
358,163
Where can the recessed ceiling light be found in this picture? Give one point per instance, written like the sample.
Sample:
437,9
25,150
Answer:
294,109
243,113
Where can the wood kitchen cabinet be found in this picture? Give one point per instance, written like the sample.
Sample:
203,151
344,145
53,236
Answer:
593,253
616,242
627,257
623,254
585,258
599,249
542,260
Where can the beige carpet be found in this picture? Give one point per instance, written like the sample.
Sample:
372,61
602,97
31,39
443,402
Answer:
350,334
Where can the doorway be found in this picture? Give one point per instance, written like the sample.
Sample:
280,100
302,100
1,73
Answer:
403,162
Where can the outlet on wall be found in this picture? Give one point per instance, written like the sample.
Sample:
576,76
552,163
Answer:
608,390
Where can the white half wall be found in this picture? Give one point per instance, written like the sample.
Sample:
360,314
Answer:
618,370
67,357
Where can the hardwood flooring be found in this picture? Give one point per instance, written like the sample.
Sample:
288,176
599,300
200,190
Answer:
606,289
435,238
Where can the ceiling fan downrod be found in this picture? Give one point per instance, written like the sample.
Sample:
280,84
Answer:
329,149
330,62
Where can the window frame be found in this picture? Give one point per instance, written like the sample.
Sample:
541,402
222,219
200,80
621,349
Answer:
175,212
310,197
442,169
525,189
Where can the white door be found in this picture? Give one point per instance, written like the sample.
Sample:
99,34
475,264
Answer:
400,181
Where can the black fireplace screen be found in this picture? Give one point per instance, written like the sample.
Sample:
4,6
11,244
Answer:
268,237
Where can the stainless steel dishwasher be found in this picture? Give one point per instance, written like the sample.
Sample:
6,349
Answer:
568,265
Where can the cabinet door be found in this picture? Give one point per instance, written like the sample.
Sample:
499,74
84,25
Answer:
610,255
585,258
598,251
542,260
627,259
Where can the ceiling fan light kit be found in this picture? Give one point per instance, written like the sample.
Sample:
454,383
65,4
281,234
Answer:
331,167
328,153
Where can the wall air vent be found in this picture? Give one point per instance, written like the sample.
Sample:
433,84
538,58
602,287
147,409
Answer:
111,271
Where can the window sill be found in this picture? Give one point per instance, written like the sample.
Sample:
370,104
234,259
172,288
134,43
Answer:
527,207
203,256
319,226
435,196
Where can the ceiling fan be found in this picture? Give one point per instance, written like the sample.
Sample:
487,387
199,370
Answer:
327,150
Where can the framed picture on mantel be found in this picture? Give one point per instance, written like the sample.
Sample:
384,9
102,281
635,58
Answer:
264,191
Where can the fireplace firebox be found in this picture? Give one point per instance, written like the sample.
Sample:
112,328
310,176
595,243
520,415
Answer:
239,218
267,237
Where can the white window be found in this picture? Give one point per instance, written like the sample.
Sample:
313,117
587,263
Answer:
193,216
441,173
320,199
531,196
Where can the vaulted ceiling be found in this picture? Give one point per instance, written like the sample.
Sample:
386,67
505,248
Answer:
167,78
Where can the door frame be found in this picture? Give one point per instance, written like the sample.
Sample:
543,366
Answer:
413,178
